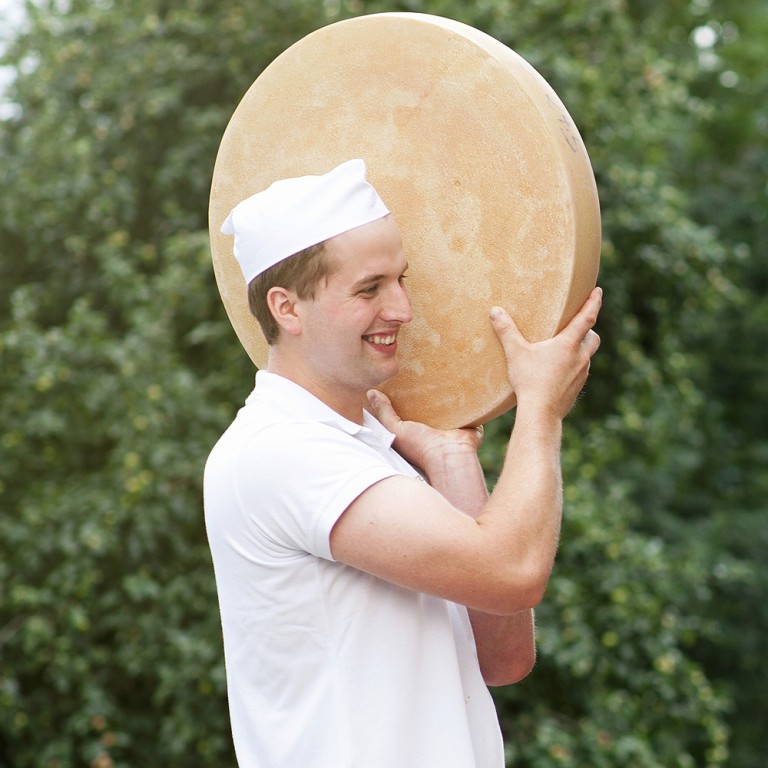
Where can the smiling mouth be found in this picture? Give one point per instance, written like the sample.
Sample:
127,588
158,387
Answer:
380,340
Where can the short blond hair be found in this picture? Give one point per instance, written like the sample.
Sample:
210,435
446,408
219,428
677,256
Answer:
300,273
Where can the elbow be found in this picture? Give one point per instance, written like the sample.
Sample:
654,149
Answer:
514,653
532,589
515,671
525,663
518,591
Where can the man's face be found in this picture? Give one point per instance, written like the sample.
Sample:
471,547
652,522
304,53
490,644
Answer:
350,328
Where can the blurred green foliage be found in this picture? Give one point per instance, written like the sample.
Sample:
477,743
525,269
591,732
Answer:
118,370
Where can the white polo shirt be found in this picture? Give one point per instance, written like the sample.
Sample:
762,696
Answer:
327,666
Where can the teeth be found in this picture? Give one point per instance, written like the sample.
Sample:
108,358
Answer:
382,340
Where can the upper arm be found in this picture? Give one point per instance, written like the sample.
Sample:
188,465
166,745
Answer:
405,532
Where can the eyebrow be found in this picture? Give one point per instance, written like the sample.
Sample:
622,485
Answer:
368,279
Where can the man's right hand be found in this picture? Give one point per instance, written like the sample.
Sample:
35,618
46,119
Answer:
550,374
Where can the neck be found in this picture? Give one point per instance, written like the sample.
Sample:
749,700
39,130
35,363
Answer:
346,403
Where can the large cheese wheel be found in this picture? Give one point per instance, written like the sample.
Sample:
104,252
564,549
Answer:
479,162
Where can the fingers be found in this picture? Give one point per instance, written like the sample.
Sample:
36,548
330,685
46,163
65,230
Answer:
591,343
583,321
580,327
551,371
501,320
586,318
578,332
383,410
505,326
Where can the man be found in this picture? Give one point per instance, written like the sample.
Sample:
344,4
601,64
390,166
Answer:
371,590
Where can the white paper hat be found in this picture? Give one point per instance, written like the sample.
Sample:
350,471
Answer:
293,214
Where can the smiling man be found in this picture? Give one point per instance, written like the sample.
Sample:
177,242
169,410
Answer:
370,588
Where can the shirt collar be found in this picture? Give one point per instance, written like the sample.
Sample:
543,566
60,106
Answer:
304,405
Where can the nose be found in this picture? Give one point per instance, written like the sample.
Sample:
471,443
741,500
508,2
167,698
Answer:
397,305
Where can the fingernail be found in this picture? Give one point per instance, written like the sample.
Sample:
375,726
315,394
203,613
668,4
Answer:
496,312
373,397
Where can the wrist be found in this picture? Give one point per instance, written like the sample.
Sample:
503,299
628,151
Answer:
449,457
455,471
538,409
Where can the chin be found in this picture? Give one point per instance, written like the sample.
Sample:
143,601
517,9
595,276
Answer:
384,379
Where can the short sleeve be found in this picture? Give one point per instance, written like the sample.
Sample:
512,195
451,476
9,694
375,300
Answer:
295,481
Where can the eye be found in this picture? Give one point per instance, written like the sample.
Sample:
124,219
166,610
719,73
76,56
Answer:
402,278
370,290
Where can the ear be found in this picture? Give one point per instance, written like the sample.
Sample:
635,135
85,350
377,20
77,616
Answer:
282,305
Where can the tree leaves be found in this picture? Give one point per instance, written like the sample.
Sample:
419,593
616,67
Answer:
119,369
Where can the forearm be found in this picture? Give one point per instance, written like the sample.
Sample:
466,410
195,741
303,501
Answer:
506,648
498,558
524,511
520,522
456,472
506,645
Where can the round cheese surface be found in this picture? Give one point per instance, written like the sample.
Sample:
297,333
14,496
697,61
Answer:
480,164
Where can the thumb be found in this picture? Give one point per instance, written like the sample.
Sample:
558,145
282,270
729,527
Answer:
504,325
383,410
